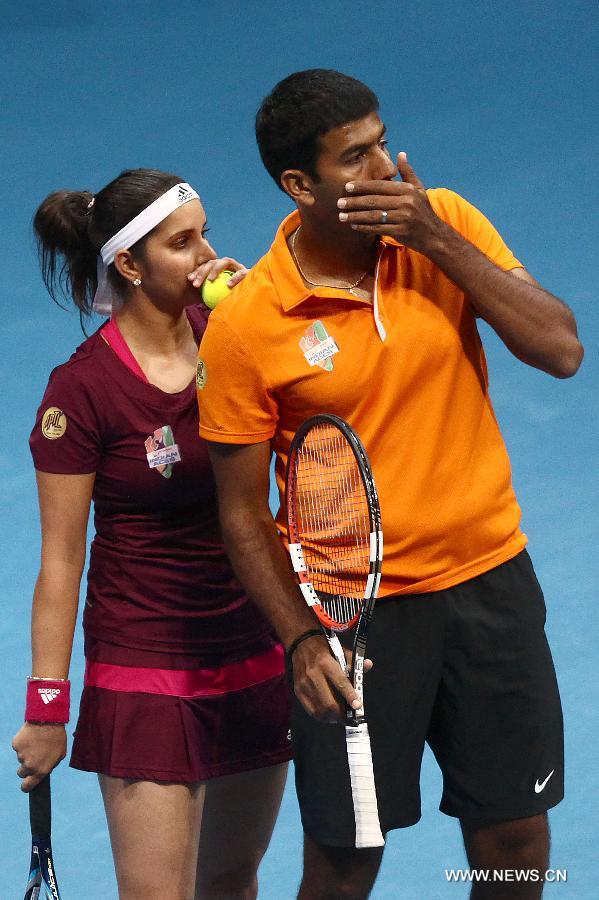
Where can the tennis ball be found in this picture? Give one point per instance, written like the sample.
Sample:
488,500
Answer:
214,291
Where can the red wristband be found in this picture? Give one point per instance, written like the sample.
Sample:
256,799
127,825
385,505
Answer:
48,701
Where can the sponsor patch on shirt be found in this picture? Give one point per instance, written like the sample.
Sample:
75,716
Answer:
54,423
201,375
318,346
162,451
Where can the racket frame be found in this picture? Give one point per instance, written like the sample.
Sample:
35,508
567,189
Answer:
362,620
359,753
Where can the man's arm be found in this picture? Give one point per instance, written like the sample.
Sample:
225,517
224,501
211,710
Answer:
262,565
538,328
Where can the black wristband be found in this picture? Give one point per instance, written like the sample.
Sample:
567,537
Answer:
312,632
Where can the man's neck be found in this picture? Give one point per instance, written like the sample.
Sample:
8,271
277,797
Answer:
326,253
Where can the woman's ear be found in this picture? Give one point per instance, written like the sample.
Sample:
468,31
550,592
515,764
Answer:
126,266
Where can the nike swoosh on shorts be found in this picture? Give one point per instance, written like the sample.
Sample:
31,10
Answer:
541,787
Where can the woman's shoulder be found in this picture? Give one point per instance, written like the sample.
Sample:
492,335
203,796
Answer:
72,410
81,368
84,357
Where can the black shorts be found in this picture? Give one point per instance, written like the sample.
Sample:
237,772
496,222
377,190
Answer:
468,670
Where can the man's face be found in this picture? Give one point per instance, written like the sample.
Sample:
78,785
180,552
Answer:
356,151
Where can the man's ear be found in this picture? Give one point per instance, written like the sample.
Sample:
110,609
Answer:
126,265
299,186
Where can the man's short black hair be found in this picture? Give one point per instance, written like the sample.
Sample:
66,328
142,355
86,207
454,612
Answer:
302,108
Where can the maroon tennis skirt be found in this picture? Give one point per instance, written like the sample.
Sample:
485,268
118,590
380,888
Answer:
180,725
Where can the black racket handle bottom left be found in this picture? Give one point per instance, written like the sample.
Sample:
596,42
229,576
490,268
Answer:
40,810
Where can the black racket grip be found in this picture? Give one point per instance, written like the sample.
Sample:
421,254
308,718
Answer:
40,810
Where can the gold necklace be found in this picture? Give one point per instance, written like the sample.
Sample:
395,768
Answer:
349,288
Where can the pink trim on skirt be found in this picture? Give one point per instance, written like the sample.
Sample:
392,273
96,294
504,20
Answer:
186,683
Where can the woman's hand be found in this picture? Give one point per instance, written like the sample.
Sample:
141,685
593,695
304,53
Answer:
39,749
209,270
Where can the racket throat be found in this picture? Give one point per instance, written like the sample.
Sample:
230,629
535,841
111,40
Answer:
337,650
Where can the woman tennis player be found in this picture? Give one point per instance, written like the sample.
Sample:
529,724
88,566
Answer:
185,705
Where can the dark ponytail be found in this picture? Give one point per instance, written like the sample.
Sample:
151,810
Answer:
72,226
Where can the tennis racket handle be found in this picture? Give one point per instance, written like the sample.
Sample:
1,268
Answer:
361,773
40,815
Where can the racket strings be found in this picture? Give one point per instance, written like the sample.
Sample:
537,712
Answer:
332,520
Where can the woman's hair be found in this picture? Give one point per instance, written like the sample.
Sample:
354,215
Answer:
300,110
72,226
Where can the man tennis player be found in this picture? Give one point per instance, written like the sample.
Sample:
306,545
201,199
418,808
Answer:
365,306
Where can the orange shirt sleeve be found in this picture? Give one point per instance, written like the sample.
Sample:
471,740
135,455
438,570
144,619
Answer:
473,226
236,405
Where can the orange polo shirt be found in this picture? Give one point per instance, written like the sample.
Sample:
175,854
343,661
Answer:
407,372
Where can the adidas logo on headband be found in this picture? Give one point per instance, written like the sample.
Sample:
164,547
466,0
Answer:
184,194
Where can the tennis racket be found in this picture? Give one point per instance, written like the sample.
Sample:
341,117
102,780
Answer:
336,549
42,884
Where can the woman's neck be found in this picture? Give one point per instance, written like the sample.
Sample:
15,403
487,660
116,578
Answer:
151,331
164,346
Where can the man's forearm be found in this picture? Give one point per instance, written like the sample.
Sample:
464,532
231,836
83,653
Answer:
262,566
536,327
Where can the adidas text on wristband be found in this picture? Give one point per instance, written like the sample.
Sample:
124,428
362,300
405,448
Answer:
48,701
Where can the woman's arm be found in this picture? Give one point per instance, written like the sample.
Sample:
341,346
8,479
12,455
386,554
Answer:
64,510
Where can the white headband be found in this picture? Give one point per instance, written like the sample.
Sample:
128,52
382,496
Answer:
132,232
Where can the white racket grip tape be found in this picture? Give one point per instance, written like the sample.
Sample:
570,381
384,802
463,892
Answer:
297,558
310,595
366,811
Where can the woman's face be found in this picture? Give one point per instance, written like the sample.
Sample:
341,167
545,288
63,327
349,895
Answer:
174,249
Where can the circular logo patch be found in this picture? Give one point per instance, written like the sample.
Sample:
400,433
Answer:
54,423
201,375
